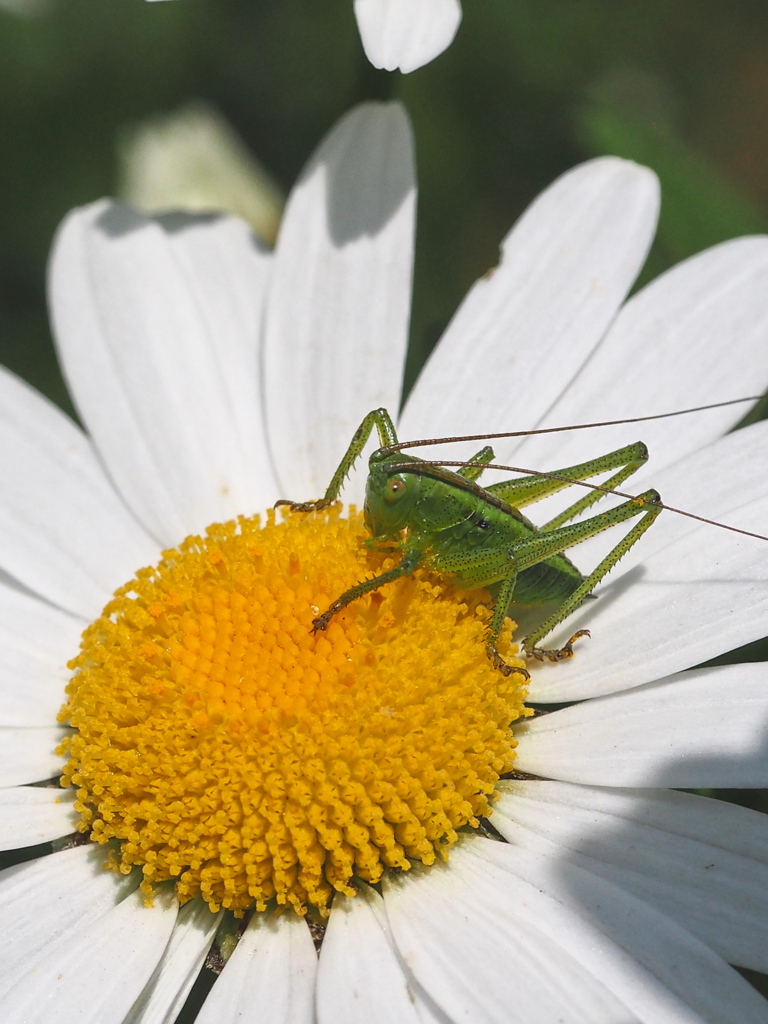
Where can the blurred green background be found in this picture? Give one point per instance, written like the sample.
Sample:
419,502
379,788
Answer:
528,89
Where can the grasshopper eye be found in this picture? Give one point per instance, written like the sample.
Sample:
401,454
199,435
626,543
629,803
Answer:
395,488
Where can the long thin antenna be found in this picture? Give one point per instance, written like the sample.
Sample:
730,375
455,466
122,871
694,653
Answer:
556,430
416,467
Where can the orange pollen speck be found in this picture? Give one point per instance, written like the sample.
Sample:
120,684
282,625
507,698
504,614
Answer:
226,746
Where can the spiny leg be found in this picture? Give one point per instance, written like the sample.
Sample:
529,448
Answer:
378,418
481,567
646,504
503,601
527,489
408,564
476,464
591,497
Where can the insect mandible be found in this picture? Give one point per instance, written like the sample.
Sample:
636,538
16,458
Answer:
444,521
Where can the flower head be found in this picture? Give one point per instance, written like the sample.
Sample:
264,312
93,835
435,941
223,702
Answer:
213,378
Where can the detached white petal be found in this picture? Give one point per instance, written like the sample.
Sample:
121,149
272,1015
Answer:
273,968
30,815
406,34
337,320
525,329
702,729
703,862
164,369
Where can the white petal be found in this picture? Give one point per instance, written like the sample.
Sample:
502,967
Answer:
152,334
337,320
167,989
229,271
694,335
29,755
33,815
524,331
360,980
687,855
93,975
406,34
63,531
273,968
48,899
707,728
36,641
704,593
660,971
483,963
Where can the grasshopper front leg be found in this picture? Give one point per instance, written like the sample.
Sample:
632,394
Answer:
378,418
407,565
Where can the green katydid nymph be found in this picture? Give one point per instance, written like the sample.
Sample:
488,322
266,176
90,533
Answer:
441,519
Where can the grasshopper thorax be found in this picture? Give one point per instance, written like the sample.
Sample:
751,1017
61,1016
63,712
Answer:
390,494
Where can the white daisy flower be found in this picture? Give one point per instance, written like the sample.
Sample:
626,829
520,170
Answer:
220,747
403,35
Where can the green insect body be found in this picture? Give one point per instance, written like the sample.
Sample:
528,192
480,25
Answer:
443,520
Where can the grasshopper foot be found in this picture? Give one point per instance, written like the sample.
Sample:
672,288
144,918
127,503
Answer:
320,624
558,654
498,663
303,506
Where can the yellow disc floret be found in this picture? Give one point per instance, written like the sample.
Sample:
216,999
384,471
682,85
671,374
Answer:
226,746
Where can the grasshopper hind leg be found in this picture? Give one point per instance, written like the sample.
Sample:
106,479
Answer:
557,653
648,507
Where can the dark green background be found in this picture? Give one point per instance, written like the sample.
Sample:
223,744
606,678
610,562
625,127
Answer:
529,88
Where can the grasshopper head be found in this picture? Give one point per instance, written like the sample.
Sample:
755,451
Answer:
390,494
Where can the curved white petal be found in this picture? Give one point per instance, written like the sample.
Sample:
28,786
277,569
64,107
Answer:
483,963
655,967
525,329
406,34
337,318
64,533
47,900
273,968
29,816
360,979
702,862
583,929
707,728
167,989
36,641
156,321
704,593
29,755
693,336
94,973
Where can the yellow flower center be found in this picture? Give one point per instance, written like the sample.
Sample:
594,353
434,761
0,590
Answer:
226,746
